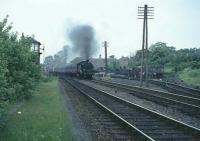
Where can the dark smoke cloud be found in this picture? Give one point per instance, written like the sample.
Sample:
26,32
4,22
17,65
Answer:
83,41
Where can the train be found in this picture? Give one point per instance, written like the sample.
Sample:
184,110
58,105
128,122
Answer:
82,70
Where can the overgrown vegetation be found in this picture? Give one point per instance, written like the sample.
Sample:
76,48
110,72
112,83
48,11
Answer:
161,54
191,76
43,118
19,72
184,63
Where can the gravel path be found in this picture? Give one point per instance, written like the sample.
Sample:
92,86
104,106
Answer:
78,128
173,113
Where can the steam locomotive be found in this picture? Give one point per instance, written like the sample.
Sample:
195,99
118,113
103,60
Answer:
83,70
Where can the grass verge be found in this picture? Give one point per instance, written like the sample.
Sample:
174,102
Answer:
43,118
190,76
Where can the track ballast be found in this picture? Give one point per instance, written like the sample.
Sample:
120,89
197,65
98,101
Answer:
148,124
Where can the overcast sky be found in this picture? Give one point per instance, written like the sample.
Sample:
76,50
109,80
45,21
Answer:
176,22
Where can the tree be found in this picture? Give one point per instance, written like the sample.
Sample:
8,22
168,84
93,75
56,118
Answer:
49,63
113,63
160,53
19,72
58,61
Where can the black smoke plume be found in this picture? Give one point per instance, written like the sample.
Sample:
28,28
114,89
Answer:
83,41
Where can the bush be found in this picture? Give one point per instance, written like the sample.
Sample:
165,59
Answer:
180,66
19,71
191,76
46,78
195,65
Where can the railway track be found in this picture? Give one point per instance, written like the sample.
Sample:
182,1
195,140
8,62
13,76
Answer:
101,125
149,125
185,104
174,88
181,90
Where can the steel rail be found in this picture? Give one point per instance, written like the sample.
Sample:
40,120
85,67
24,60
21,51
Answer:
181,90
180,98
114,127
182,103
150,123
125,123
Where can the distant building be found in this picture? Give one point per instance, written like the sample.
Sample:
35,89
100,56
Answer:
77,60
123,62
99,63
35,47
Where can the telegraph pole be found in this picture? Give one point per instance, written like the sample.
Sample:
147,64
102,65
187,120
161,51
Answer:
145,13
106,59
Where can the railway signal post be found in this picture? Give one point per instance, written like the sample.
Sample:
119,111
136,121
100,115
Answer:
145,13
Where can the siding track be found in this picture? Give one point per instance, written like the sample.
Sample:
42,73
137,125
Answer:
174,88
148,124
185,104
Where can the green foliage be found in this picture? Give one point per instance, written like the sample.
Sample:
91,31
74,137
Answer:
179,67
160,53
134,61
191,76
195,64
182,61
113,63
46,78
188,55
49,62
43,118
19,72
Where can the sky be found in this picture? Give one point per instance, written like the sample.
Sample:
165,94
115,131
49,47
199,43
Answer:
176,22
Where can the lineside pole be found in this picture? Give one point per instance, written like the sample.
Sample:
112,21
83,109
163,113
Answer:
145,13
142,59
146,49
106,59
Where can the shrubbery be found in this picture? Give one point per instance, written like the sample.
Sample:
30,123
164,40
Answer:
195,64
19,72
162,55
